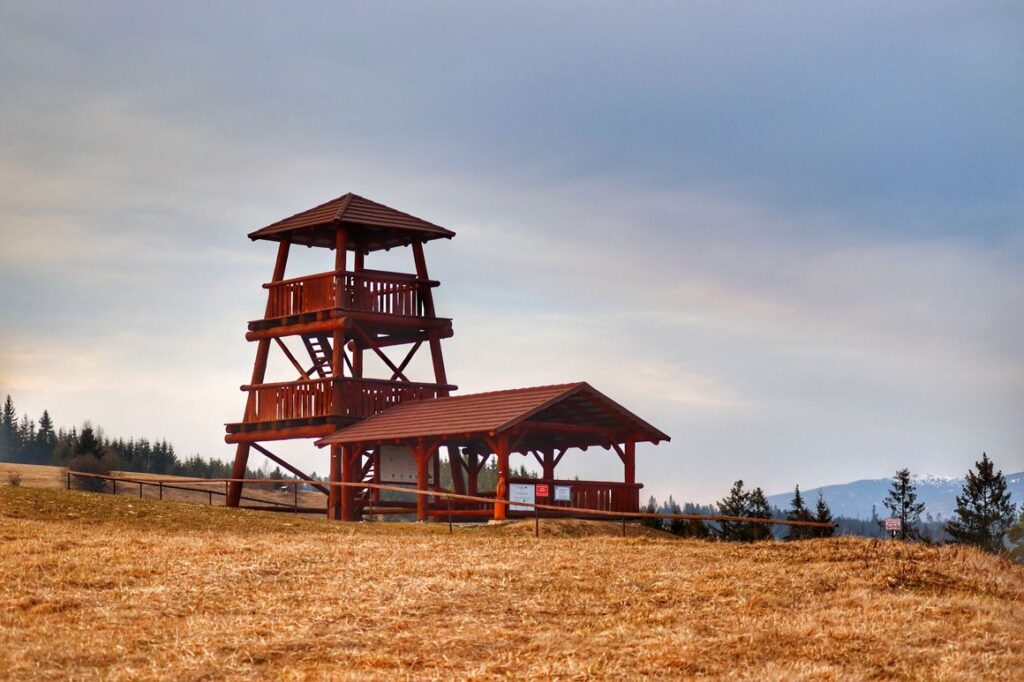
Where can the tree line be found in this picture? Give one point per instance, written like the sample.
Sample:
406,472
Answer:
984,517
88,449
751,504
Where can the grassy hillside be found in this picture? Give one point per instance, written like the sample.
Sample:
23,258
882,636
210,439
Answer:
115,587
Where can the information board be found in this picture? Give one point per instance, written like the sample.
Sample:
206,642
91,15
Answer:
563,493
521,492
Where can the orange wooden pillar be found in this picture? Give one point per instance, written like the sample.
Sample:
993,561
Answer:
334,493
422,454
629,464
472,470
548,464
501,491
259,372
349,454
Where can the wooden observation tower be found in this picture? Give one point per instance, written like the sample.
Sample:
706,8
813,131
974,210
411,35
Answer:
339,318
388,428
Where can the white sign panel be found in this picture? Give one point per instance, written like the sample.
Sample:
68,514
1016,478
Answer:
563,493
521,492
398,465
894,524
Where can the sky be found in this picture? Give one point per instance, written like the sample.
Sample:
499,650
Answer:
790,235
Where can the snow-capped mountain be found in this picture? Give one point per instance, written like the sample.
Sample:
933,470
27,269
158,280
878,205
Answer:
854,500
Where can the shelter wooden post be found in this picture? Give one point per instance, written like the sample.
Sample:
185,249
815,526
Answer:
334,496
259,371
629,462
422,502
374,492
472,472
349,453
458,473
501,492
548,465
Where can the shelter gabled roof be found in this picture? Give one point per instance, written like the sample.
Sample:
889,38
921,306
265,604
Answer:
372,226
590,416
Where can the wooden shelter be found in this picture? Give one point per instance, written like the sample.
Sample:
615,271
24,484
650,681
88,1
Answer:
544,421
378,427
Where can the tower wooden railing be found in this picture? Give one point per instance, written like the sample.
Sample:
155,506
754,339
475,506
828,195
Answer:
316,397
371,291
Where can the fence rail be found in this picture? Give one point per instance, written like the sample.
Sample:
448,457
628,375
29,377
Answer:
536,506
356,397
372,291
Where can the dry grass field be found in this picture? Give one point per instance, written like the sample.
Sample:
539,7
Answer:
97,586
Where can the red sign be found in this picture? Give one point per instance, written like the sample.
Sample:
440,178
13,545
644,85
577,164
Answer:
894,524
542,490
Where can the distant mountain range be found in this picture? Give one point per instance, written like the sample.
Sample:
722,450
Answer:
854,500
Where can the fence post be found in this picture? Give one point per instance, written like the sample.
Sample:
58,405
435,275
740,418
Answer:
140,490
536,521
449,513
161,490
295,490
69,480
226,496
211,497
623,526
114,481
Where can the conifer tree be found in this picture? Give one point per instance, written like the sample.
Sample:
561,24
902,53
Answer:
46,439
26,439
8,430
902,503
822,514
735,504
758,508
798,512
88,444
983,511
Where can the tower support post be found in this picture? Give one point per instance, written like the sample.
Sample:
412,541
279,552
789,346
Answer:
259,372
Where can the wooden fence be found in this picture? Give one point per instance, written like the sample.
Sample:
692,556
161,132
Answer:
563,511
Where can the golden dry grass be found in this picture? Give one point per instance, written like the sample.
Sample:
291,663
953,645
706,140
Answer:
97,586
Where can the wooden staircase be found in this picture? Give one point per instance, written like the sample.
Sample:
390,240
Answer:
320,352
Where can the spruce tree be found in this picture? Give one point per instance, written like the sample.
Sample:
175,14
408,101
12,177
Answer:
735,504
26,439
758,508
983,511
822,514
88,444
46,439
798,512
8,430
902,503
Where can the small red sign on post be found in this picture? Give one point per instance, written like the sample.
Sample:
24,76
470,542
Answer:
542,490
894,524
